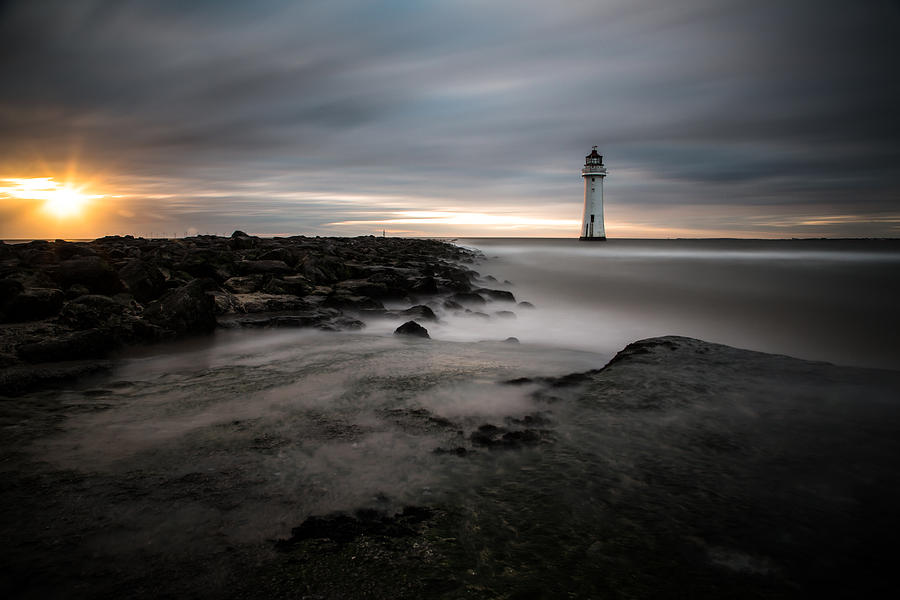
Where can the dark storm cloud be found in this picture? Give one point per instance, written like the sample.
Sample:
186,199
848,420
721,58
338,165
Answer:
757,102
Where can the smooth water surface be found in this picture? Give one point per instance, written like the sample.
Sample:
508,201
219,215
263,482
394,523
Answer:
831,300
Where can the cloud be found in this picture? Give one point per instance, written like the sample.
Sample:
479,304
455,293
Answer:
461,106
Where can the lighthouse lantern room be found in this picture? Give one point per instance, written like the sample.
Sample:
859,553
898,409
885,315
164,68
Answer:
592,223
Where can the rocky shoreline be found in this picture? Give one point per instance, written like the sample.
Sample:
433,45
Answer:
65,306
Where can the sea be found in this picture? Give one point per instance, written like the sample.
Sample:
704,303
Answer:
195,457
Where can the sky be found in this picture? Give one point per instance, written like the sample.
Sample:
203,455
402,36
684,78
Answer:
716,118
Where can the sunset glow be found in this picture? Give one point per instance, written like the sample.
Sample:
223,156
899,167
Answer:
60,200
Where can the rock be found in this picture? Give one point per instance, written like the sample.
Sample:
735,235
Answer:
225,302
75,290
144,280
260,303
467,298
500,438
343,528
363,287
420,312
511,340
90,311
187,309
295,284
90,271
264,267
237,233
33,304
425,285
244,285
501,295
413,329
525,305
505,314
451,305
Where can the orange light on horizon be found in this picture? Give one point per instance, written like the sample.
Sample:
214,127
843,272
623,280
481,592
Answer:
60,200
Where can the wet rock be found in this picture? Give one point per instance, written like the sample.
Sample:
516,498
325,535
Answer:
343,528
90,311
75,290
144,280
91,271
501,295
525,305
264,267
33,304
451,305
343,299
467,299
244,285
296,285
511,340
225,302
500,438
420,312
505,314
260,303
187,309
413,329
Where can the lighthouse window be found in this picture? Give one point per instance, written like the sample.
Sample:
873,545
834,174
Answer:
592,178
592,218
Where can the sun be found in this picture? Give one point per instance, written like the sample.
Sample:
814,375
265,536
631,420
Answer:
61,200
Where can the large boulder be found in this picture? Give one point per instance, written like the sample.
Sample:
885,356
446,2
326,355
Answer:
420,312
412,329
144,280
90,271
187,309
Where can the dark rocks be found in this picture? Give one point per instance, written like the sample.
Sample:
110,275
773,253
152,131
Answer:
61,298
244,285
525,305
505,314
90,311
91,271
263,267
144,280
342,528
467,299
500,438
412,329
420,312
511,340
501,295
187,309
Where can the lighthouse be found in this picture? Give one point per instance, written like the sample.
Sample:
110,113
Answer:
592,223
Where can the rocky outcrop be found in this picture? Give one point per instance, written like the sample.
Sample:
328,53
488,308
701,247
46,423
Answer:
67,300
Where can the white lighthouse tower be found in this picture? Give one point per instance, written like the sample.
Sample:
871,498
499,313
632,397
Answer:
592,223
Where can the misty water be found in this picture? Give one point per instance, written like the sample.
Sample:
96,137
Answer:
186,451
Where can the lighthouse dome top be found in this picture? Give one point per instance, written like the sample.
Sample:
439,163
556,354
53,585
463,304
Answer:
593,158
